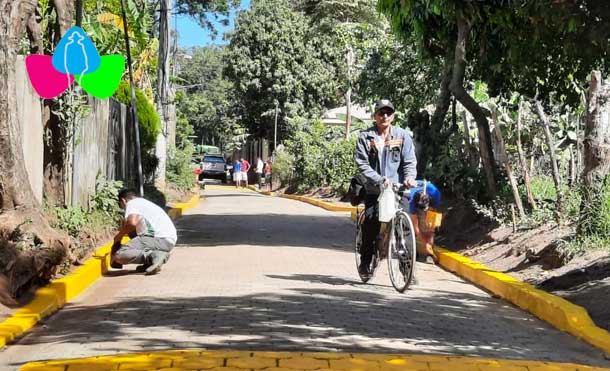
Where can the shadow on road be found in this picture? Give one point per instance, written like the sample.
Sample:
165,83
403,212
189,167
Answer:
266,229
328,280
312,320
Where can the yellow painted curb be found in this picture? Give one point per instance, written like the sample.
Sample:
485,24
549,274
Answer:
266,193
49,299
226,360
557,311
323,204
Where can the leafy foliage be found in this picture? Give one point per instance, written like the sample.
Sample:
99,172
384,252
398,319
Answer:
274,58
207,104
104,23
179,171
316,157
70,219
397,72
105,197
148,118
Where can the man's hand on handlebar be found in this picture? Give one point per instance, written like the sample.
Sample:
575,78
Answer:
410,183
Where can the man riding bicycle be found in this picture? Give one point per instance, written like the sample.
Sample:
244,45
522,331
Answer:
384,154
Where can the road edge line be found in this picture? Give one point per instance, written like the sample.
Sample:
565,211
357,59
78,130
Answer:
556,311
52,297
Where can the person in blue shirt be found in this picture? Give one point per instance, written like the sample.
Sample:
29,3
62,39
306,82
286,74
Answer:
237,173
422,197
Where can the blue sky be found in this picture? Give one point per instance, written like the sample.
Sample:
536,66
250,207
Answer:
191,34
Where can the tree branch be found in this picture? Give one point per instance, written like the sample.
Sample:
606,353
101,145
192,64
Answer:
457,88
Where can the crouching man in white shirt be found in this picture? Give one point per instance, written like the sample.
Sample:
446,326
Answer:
152,231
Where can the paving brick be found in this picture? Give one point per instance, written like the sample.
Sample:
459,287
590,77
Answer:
253,273
199,363
304,363
251,362
353,364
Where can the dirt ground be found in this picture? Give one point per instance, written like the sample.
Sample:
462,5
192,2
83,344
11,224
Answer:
532,255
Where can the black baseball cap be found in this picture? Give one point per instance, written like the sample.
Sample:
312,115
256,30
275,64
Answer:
384,103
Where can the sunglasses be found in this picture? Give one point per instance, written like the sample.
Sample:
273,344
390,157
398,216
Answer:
388,112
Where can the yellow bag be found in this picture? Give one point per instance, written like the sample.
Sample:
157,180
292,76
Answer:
433,219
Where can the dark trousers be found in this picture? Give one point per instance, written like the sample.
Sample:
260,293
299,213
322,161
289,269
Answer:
371,226
370,229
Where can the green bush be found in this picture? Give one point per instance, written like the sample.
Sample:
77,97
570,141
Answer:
317,157
283,166
105,198
595,218
148,118
179,171
69,219
545,194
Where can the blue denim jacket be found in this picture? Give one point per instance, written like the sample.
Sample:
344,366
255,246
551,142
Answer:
397,161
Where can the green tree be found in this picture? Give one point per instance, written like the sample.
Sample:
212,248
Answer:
274,57
207,103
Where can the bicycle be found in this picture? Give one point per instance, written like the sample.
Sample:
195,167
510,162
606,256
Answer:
400,248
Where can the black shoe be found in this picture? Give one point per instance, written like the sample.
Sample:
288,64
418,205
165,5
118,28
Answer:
364,269
158,258
142,268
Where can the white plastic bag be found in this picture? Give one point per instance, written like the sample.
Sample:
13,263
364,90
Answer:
387,204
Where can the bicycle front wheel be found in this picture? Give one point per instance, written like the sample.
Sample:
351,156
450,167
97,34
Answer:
401,254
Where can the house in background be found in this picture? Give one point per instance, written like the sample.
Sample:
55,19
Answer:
361,116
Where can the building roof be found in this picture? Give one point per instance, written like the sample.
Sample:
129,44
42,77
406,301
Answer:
336,116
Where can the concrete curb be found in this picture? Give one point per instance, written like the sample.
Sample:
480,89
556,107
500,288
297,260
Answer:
552,309
49,299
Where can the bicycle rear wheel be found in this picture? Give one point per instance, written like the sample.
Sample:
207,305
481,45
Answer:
401,254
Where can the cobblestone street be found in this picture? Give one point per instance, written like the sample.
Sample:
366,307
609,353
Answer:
252,272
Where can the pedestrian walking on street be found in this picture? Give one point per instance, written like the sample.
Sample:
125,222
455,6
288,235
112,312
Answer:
237,173
259,172
245,166
152,232
267,171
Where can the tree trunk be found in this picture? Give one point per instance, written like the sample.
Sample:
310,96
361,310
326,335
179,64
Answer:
163,88
503,159
457,88
19,209
64,10
429,137
554,167
596,179
471,149
35,32
349,57
523,161
572,165
348,112
15,189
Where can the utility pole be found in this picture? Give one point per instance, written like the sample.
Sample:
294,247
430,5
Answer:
79,13
275,128
134,109
163,89
348,95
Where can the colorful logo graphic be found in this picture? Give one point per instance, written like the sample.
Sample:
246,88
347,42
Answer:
75,59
